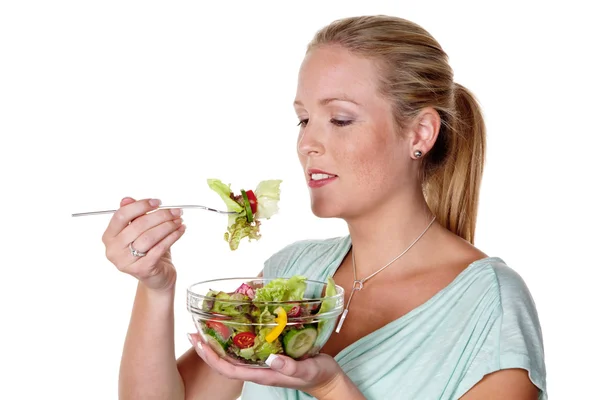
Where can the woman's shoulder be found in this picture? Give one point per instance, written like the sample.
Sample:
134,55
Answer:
512,288
506,283
302,255
519,311
504,289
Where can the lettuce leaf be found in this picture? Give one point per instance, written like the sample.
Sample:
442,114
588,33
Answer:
263,317
267,195
231,306
240,229
282,289
224,191
328,303
262,348
326,326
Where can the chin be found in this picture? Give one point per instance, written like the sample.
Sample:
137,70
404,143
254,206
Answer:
325,210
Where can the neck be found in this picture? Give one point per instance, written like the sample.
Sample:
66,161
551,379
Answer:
386,231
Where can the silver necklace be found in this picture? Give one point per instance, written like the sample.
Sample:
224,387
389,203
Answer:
359,283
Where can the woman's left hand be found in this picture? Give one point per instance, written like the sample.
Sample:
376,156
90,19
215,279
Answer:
317,376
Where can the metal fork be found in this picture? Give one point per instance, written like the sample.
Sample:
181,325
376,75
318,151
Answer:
161,207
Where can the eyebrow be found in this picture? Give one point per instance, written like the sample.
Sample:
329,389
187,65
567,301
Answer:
328,100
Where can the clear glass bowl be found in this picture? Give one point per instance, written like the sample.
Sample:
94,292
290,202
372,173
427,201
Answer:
246,332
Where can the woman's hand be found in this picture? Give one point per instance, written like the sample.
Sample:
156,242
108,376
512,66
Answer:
320,376
147,232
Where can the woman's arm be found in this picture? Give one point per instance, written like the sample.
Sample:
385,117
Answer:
340,388
148,365
149,369
202,382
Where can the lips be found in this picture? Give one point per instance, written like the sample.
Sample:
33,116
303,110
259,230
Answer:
318,178
312,171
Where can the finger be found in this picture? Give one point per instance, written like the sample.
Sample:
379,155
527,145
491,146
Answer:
147,222
152,236
203,349
306,370
124,215
194,339
125,201
142,268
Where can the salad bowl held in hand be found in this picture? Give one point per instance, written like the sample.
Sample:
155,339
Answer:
245,320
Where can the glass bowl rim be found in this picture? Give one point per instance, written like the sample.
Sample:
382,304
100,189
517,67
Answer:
192,293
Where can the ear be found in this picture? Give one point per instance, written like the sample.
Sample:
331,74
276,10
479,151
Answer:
424,131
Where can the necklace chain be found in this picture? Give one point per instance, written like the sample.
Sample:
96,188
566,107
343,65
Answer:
359,283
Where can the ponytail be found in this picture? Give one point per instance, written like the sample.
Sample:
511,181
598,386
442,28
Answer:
452,186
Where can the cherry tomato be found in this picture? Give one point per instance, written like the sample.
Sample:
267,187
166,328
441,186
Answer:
244,340
294,312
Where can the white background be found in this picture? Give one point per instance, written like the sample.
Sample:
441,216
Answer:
101,100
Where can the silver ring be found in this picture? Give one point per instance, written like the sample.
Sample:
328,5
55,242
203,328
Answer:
134,252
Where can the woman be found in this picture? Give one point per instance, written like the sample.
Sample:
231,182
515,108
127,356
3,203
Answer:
393,146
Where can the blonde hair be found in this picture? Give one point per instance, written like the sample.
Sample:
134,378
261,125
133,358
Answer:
415,74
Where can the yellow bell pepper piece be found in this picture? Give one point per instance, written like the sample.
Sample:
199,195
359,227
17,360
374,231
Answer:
281,320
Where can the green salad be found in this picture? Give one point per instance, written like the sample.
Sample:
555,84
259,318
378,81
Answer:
252,329
250,206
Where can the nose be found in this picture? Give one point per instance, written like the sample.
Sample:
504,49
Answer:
309,142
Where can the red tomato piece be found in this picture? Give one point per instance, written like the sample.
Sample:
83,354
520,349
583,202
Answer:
252,200
294,312
220,329
244,340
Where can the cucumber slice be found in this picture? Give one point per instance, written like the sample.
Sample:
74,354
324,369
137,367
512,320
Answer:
298,342
247,206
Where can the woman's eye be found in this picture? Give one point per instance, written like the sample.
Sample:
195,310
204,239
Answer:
303,122
336,122
339,122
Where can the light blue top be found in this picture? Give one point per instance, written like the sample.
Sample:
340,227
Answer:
483,321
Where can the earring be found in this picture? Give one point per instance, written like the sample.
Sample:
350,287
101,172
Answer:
418,153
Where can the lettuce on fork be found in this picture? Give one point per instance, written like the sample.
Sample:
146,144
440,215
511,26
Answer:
249,207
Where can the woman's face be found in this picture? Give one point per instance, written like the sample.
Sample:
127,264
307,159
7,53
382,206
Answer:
353,158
